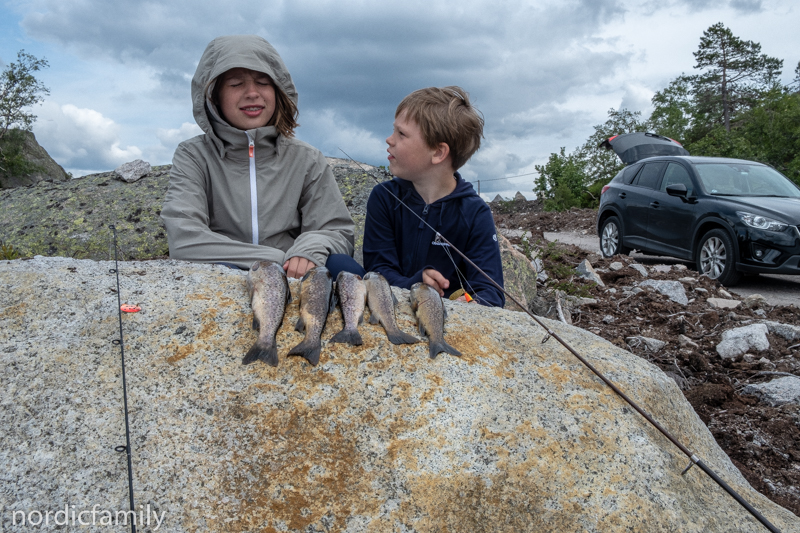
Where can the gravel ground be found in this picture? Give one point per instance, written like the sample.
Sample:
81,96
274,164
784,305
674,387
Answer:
763,441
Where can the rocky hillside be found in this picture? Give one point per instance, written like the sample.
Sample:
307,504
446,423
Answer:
44,168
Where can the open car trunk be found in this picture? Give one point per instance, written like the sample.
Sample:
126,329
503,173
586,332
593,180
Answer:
632,147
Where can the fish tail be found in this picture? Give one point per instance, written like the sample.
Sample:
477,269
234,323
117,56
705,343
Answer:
399,337
349,336
309,350
438,347
266,353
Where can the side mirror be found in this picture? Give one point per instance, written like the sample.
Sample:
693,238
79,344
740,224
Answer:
677,189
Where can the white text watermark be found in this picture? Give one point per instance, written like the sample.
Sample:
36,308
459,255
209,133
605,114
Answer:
95,516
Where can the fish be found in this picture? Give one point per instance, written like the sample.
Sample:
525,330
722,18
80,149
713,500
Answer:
269,294
316,300
429,309
381,300
352,295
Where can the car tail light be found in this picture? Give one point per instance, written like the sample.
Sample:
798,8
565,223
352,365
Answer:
605,188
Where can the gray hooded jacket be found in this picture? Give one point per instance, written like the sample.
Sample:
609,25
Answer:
223,205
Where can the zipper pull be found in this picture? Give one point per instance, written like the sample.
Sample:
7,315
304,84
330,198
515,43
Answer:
252,147
425,210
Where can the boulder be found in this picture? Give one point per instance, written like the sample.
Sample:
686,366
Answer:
44,168
670,288
738,341
651,345
789,332
519,275
722,303
640,269
755,301
515,435
132,171
587,271
778,391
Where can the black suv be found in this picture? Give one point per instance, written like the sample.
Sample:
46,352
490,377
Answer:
729,216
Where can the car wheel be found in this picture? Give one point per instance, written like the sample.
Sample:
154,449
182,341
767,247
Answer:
611,238
715,257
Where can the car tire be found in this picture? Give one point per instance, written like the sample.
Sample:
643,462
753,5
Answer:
611,238
716,258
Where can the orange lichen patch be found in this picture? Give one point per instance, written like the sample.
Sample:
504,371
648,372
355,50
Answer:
14,312
295,467
465,502
209,326
179,352
402,390
197,296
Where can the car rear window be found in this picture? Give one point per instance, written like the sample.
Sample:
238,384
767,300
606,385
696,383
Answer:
649,175
630,173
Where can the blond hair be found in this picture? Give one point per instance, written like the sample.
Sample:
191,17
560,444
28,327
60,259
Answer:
445,115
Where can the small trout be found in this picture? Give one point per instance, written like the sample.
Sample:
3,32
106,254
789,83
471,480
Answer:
269,294
429,308
316,300
352,293
381,300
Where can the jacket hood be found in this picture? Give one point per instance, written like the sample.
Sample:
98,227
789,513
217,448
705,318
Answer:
234,51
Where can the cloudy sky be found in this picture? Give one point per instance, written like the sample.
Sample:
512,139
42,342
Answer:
542,72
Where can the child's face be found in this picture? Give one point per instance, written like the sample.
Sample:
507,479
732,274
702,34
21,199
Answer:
246,98
410,157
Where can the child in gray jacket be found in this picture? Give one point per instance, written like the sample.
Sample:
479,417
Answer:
247,190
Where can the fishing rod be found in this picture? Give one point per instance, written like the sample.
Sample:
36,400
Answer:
120,342
694,460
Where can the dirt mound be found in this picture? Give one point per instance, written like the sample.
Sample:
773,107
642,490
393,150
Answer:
762,441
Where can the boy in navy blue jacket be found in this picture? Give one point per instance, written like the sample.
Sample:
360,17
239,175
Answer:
436,131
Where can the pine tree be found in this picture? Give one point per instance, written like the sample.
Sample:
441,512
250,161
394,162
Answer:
735,74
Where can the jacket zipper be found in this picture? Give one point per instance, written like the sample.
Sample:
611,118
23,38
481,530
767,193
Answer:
253,189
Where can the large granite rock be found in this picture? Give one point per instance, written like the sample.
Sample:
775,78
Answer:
515,435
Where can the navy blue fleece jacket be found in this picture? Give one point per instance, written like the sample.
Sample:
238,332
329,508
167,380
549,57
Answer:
399,246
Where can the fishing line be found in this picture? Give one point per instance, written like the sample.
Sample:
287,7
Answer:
120,342
694,460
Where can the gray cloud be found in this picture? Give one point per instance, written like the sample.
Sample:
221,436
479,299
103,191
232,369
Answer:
541,72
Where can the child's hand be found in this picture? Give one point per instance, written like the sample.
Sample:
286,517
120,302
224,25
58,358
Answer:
296,267
435,279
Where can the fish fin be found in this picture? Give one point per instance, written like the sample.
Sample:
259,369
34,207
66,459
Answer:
438,347
306,275
394,298
422,329
256,323
268,354
301,325
349,336
361,318
308,350
400,337
373,318
332,301
288,293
